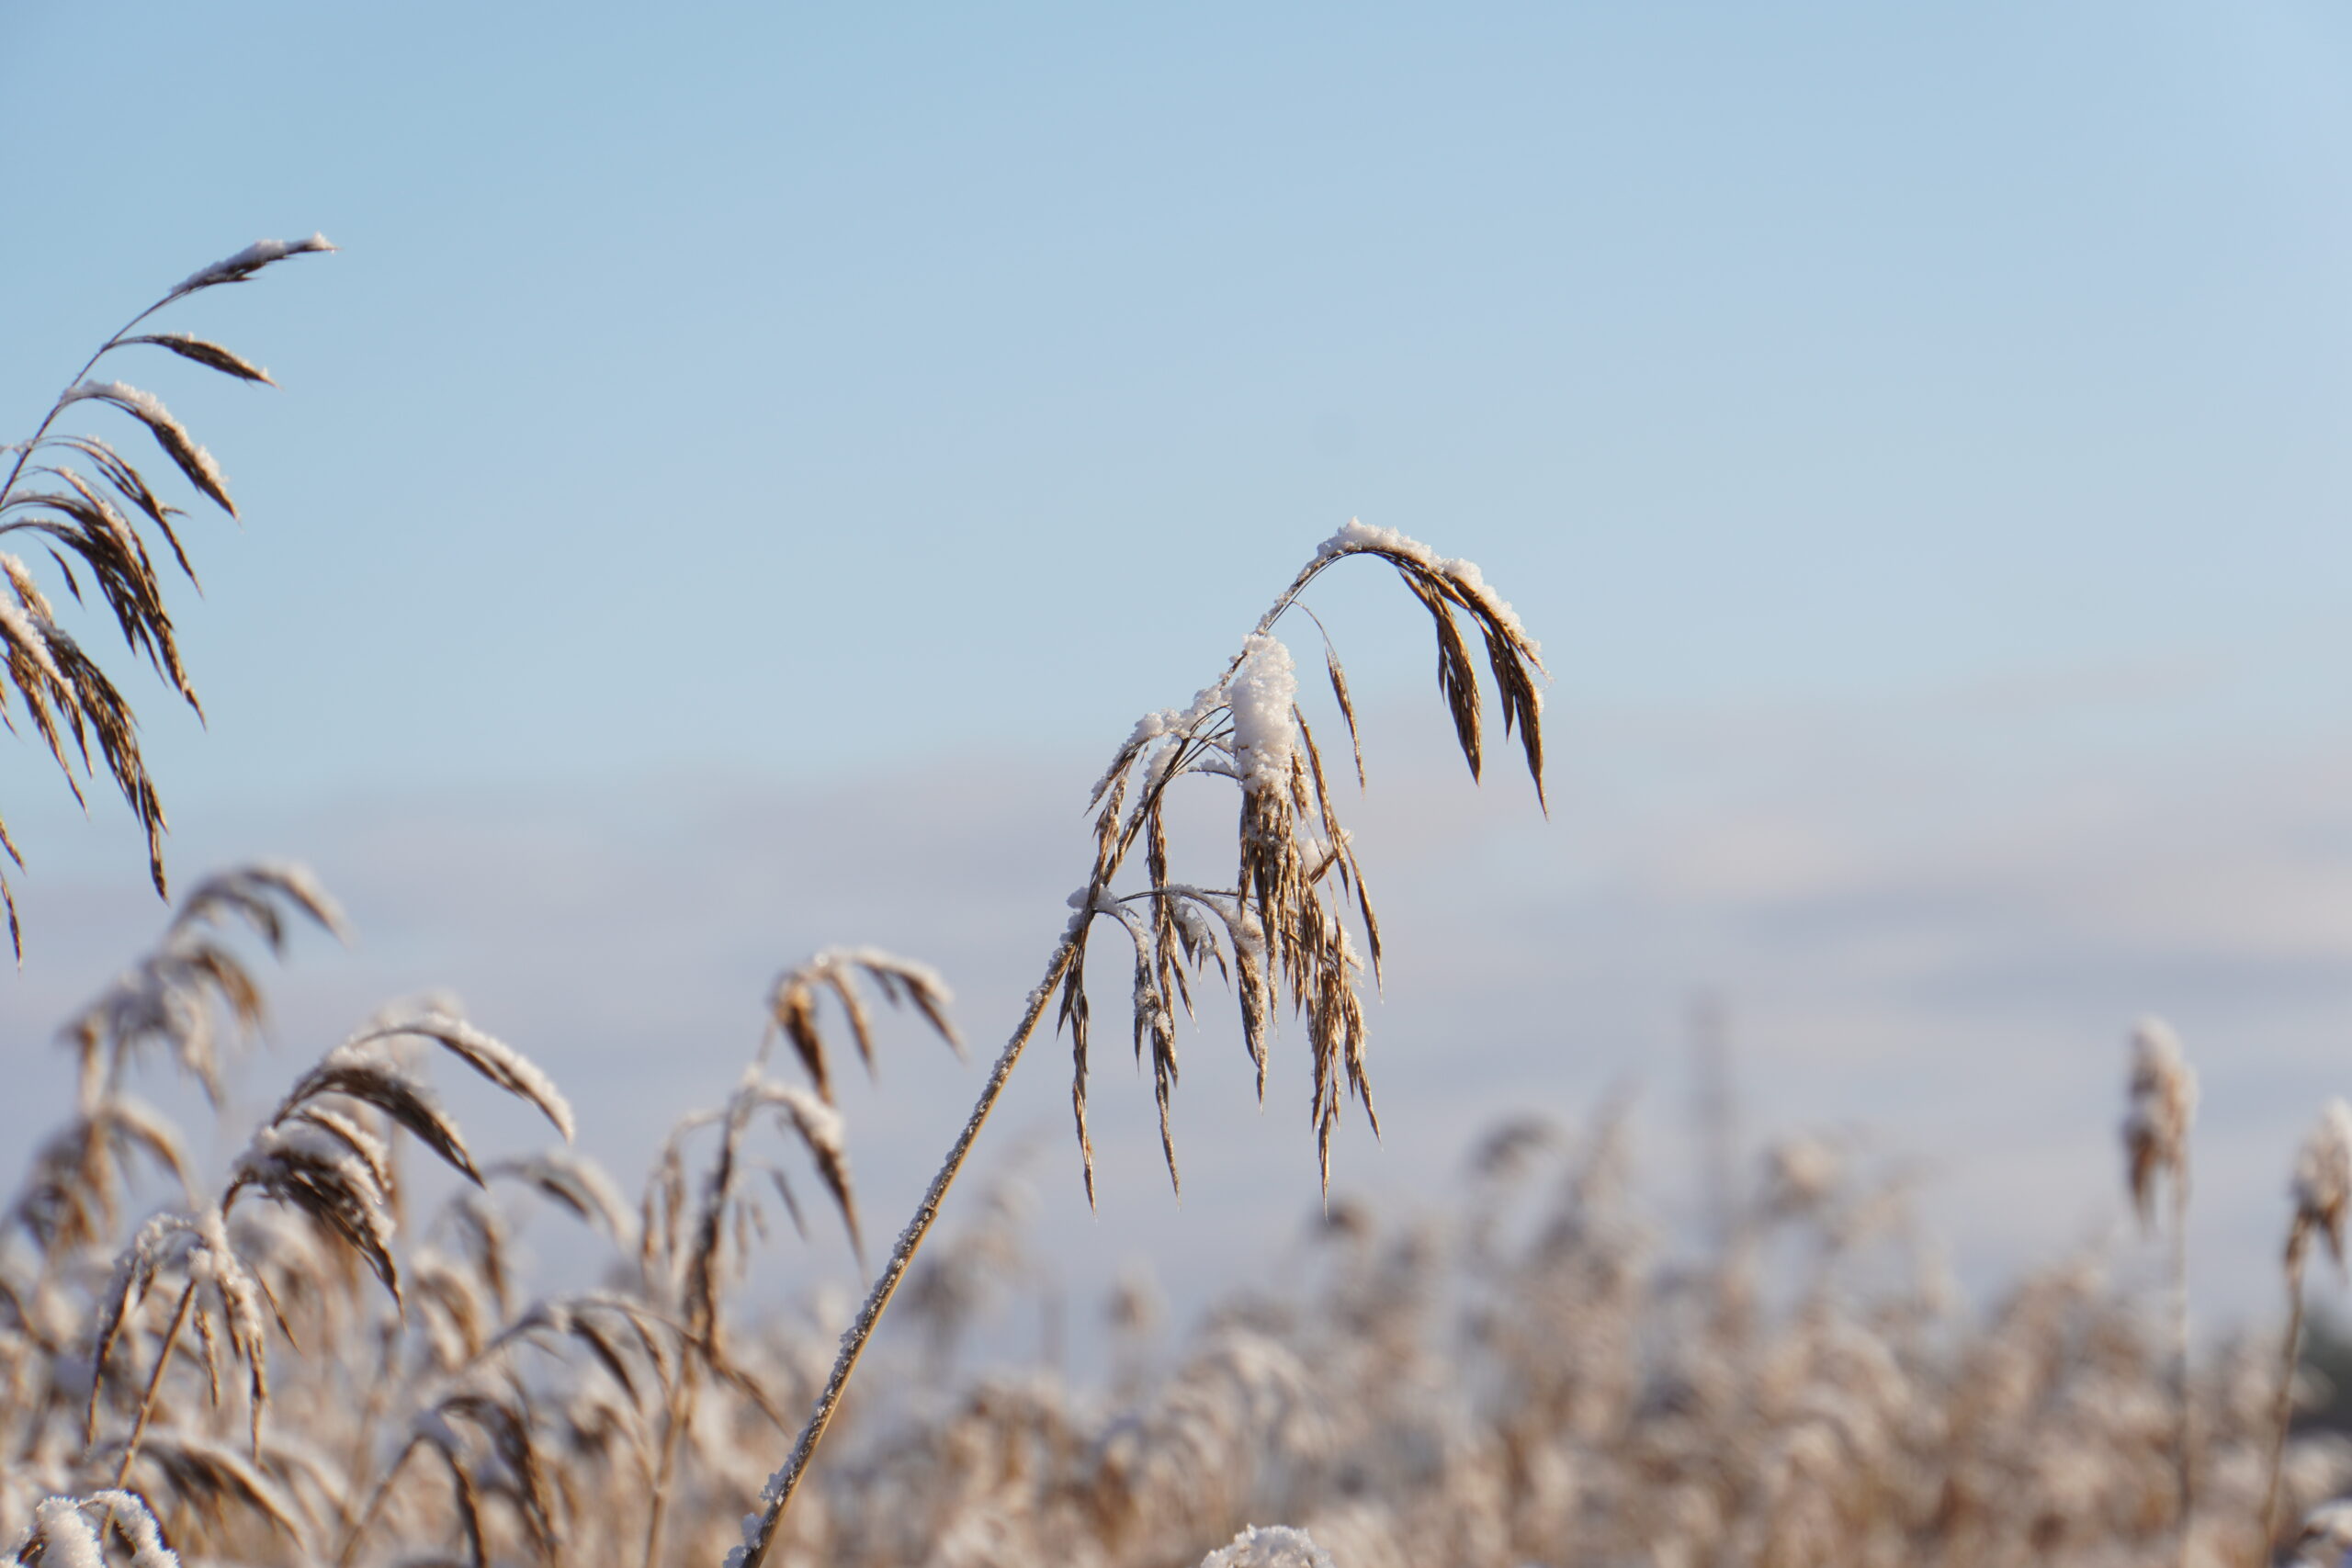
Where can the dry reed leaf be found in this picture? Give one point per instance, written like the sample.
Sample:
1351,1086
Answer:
211,356
298,1164
211,1479
191,459
482,1235
64,694
385,1086
436,1434
458,1320
73,1195
792,1004
162,1240
492,1058
166,1001
519,1477
574,1183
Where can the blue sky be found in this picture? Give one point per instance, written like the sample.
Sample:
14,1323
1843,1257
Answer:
1758,351
1907,428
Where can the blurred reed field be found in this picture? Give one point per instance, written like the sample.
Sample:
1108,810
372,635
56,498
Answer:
298,1354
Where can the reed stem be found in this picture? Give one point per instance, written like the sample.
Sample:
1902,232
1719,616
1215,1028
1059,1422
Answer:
2183,1433
154,1382
778,1494
2283,1412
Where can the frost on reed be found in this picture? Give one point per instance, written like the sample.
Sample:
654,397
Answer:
2162,1108
1281,933
1520,1372
75,499
1277,1546
273,1368
1528,1375
2322,1190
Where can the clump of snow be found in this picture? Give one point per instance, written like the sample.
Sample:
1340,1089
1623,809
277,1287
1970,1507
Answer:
1276,1546
133,1517
67,1537
1259,695
1358,536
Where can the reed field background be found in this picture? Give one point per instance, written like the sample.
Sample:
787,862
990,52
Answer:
742,475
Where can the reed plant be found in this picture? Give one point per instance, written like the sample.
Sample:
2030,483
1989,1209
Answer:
334,1344
1279,933
74,498
2163,1108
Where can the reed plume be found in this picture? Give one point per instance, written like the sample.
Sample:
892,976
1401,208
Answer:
1280,931
76,499
2162,1108
2322,1191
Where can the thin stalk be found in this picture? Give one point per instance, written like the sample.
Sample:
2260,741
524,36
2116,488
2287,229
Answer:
681,1407
370,1413
375,1503
25,454
2298,1248
2183,1436
778,1493
155,1382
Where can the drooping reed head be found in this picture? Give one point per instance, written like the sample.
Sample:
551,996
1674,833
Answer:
2322,1187
2163,1104
77,500
1283,928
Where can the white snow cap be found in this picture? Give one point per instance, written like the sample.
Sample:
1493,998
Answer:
1276,1546
1358,536
1260,693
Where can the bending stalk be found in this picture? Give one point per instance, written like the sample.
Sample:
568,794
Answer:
778,1494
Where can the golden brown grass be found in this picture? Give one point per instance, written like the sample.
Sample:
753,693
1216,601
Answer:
1280,932
1524,1373
302,1356
79,502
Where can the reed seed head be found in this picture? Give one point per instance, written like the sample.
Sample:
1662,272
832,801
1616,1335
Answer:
2161,1106
1298,921
2322,1184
